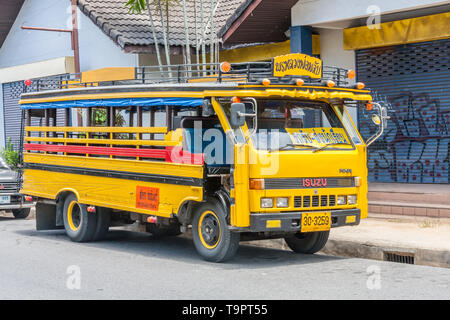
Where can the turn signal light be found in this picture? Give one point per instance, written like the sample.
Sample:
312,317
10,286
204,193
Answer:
225,67
369,106
152,219
90,209
360,86
331,83
265,82
28,198
256,184
300,82
351,74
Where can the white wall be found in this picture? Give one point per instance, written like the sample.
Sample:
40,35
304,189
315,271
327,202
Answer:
97,50
21,47
26,46
317,12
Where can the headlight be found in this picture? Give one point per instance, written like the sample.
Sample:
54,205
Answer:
266,202
341,200
352,199
282,202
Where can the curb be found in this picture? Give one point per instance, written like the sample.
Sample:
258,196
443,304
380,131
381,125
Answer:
345,248
425,257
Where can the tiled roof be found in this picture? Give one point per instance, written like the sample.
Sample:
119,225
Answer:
134,29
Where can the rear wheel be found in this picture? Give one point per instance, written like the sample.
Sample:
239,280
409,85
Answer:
212,238
307,242
21,213
80,225
103,222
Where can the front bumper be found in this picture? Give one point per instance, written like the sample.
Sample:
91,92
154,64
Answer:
291,221
16,206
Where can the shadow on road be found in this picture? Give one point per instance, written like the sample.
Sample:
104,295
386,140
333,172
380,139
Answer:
2,218
182,249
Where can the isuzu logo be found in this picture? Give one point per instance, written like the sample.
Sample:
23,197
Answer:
313,182
343,170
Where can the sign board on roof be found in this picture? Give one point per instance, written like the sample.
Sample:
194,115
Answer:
297,64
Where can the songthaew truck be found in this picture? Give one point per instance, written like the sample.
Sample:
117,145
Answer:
234,152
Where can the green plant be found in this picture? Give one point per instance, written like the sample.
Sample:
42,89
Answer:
10,155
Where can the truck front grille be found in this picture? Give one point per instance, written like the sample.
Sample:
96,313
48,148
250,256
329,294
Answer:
315,201
8,187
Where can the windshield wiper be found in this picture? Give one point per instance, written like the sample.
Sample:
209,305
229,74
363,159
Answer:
331,144
293,145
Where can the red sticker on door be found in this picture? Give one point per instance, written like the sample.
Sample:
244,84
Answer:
147,198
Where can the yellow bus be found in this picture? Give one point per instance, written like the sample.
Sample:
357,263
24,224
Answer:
232,151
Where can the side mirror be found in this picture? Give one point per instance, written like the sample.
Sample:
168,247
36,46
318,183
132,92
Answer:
237,116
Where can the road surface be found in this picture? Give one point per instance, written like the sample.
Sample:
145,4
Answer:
131,265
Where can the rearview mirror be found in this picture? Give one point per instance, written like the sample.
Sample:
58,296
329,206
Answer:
237,117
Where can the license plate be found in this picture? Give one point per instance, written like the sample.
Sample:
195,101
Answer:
5,199
317,221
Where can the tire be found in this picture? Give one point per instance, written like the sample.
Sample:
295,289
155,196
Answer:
80,225
21,213
103,222
163,231
310,242
212,238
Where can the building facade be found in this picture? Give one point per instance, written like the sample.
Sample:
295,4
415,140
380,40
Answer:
108,36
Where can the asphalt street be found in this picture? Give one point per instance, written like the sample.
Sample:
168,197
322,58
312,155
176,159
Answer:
131,265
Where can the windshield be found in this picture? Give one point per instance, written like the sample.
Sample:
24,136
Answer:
298,125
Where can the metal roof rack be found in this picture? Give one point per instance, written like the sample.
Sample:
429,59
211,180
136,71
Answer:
249,73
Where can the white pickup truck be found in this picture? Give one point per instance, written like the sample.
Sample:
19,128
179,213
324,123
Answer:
10,198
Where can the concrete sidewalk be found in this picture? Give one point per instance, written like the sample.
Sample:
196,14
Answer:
425,239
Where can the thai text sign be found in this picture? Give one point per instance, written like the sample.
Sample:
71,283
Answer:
297,64
147,198
318,136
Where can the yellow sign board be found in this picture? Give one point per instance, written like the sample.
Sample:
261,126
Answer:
297,64
318,136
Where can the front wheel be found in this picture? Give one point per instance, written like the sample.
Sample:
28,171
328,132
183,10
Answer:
307,242
212,238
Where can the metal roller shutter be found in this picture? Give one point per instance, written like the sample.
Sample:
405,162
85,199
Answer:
414,81
12,112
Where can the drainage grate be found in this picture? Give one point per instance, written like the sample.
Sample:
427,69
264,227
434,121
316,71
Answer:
400,257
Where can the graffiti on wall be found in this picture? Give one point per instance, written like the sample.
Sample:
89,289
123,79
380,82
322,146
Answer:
415,147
